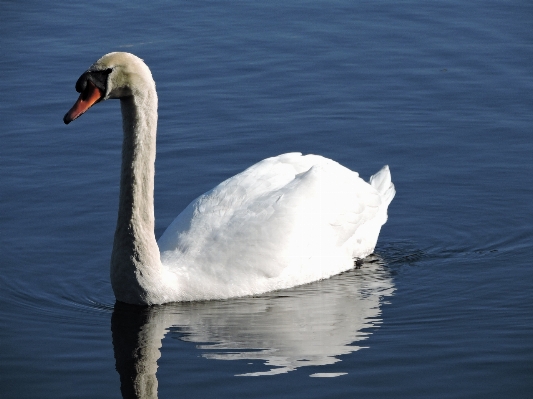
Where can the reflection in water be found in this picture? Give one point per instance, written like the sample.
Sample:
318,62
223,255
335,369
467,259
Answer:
309,325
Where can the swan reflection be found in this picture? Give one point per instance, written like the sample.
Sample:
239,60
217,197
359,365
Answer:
310,325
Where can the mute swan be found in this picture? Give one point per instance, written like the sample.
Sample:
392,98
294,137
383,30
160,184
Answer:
285,221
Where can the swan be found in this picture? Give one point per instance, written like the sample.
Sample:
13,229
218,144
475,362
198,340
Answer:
285,221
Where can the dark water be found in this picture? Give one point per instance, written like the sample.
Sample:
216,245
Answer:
441,91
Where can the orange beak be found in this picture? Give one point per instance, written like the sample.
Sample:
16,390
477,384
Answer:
88,97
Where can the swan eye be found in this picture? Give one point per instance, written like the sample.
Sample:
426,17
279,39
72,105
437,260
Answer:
98,78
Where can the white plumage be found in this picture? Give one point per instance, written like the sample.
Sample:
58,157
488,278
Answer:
285,221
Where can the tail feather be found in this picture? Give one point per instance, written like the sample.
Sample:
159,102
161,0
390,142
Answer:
382,182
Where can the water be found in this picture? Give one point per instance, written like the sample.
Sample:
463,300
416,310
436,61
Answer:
440,91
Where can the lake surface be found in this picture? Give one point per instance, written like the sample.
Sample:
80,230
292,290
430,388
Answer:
441,91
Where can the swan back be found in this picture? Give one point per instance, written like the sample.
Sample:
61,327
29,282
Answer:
288,220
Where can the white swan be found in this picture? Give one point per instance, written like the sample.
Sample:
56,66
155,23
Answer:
285,221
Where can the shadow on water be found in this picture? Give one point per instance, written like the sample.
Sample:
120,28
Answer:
310,325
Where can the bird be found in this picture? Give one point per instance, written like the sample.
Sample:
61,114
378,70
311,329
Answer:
288,220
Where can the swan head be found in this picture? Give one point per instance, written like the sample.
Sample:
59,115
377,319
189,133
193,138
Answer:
115,75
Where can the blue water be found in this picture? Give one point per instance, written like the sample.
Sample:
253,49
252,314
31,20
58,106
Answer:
440,91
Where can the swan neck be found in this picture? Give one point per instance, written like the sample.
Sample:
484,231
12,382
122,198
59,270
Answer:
138,164
135,261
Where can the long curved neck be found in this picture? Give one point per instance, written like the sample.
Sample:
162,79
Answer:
135,261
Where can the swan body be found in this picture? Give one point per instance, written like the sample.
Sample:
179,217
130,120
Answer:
285,221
